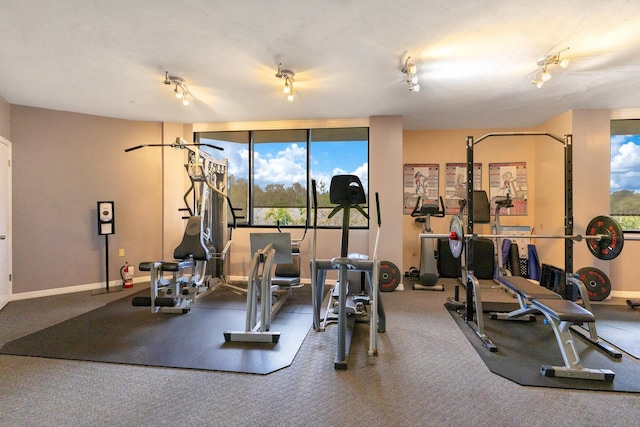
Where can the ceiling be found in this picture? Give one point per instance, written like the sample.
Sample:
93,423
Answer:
475,58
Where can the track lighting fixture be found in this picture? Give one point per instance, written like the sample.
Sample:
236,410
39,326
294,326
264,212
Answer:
542,74
287,75
411,71
180,87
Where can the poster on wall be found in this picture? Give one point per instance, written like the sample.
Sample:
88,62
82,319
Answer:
509,179
455,185
420,180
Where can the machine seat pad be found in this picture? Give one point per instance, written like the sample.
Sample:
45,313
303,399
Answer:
564,310
192,244
527,289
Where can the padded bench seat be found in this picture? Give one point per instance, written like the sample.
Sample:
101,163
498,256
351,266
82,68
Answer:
167,265
527,289
564,310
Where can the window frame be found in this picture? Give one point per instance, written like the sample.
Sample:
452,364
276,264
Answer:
628,128
205,136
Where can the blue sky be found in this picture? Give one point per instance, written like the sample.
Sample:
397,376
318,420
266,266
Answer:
625,163
284,163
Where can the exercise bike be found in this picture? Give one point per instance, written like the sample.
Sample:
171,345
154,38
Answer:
428,273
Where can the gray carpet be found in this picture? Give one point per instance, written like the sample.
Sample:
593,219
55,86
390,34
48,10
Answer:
120,333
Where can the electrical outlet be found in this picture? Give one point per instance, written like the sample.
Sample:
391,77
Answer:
120,252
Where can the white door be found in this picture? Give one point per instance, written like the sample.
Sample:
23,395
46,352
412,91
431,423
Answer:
5,221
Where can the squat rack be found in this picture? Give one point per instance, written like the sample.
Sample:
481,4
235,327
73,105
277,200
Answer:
472,285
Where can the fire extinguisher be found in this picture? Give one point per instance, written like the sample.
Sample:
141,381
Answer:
126,273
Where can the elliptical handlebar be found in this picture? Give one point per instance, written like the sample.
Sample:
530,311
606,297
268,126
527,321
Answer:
421,212
304,234
378,210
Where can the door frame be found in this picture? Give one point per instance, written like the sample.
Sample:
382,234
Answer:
6,283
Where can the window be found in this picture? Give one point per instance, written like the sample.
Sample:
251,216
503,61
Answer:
625,173
270,171
279,177
339,152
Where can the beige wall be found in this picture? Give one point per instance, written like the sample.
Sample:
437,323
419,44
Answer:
63,163
385,178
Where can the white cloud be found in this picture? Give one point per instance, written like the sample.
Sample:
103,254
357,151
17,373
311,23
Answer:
626,157
625,164
286,166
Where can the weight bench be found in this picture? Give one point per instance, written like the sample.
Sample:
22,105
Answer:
562,315
187,273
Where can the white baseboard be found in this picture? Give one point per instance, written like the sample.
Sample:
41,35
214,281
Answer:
71,289
625,294
234,279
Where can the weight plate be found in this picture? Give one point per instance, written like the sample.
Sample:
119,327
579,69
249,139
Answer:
597,283
610,245
389,276
456,229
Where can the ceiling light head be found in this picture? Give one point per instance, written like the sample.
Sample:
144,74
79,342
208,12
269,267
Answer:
287,86
537,82
546,75
180,87
409,68
411,71
287,75
179,91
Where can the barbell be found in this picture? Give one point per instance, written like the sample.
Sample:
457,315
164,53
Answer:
603,236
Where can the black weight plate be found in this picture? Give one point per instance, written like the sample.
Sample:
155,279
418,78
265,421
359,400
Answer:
456,226
389,276
611,244
597,283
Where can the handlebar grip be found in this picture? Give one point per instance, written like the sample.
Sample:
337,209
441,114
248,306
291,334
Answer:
314,195
378,209
126,150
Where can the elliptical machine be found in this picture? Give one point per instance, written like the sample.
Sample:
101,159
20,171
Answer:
428,273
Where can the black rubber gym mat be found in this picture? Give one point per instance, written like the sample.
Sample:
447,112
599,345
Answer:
523,347
619,325
121,333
